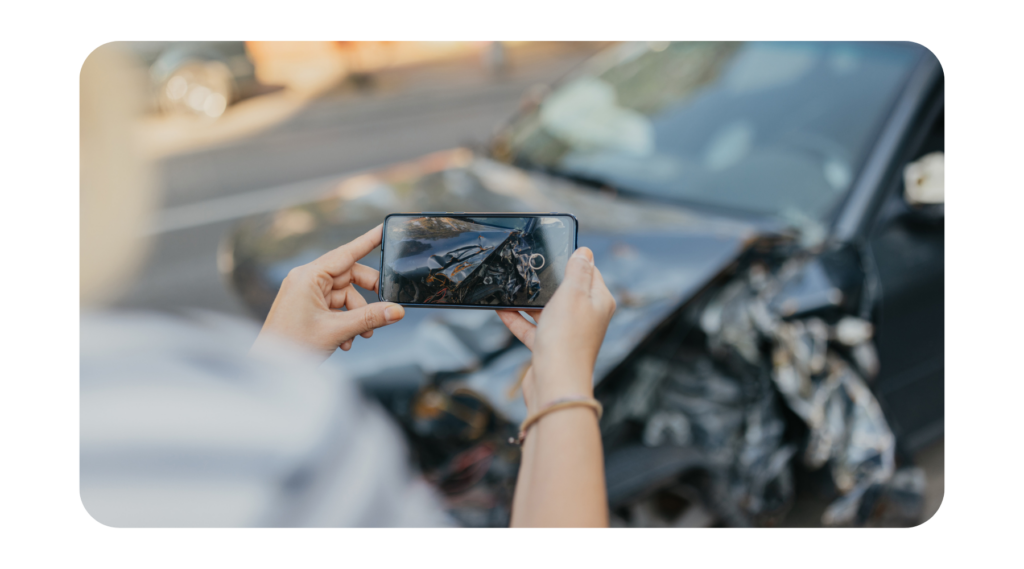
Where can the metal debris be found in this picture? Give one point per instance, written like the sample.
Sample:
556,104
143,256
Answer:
810,365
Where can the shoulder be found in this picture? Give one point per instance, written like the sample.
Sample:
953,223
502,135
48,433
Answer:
179,426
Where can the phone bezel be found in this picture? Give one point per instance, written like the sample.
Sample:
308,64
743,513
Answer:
383,238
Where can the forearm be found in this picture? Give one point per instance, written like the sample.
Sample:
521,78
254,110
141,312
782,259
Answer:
520,506
561,476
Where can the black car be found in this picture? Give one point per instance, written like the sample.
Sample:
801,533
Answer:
780,320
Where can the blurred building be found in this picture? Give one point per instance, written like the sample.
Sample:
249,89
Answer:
310,66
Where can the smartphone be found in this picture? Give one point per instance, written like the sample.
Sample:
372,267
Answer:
474,260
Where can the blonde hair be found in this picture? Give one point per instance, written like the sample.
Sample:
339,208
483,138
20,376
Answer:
117,195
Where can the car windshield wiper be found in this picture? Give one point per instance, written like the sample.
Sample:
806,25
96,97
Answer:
581,179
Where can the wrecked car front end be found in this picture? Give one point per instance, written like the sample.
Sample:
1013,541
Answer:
766,368
743,358
724,335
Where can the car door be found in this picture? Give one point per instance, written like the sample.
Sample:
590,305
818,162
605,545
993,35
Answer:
906,248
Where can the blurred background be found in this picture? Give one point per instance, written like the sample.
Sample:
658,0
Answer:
235,129
244,128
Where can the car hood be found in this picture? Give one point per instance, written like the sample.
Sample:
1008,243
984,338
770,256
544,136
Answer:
653,257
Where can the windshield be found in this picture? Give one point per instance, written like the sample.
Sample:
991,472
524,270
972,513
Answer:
769,128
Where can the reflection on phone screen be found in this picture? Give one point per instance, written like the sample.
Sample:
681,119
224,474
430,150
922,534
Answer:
480,261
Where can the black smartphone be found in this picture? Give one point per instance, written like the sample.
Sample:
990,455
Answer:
474,260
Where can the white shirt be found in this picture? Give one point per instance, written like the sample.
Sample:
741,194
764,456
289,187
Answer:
181,427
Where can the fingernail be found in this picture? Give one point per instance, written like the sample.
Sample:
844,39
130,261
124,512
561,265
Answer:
584,253
394,313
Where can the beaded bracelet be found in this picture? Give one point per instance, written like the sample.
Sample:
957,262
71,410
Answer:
557,404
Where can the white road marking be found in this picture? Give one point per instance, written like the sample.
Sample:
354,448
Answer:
236,206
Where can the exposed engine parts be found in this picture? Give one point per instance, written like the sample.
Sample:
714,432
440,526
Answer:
729,401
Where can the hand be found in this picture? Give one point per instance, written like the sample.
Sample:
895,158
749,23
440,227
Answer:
307,308
568,334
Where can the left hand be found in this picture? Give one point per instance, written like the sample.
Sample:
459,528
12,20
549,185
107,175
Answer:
307,309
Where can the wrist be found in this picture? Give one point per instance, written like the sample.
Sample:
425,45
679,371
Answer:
561,383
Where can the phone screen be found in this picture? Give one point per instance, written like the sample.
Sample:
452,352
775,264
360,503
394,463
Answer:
471,260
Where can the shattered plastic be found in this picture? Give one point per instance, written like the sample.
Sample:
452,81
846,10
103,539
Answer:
768,346
847,428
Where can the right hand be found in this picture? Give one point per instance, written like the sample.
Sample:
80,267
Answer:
308,308
568,334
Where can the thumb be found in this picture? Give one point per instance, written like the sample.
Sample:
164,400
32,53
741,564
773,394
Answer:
579,272
352,323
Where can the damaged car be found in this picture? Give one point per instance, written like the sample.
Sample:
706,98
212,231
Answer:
769,218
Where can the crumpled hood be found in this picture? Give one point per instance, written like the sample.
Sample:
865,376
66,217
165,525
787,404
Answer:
653,257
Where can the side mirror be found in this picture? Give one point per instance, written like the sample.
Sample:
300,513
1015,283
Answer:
924,187
924,180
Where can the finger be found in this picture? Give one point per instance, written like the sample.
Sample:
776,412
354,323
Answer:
585,252
354,301
339,298
346,345
343,258
365,277
355,322
347,297
579,272
519,326
598,286
535,314
599,290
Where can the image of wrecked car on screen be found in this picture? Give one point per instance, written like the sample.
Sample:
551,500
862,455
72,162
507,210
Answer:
479,261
